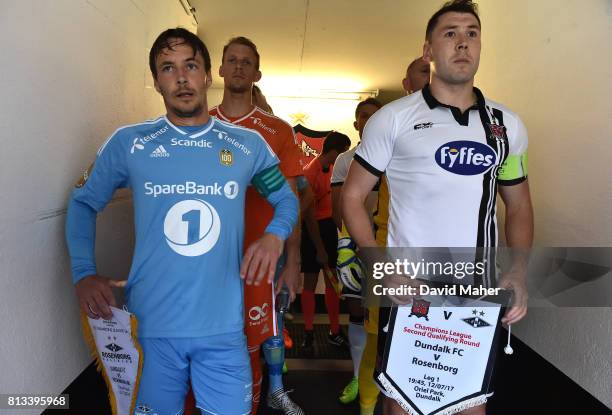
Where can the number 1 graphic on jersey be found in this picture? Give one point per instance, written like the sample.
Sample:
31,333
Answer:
192,227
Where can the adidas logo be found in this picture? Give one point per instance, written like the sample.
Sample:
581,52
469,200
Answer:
160,151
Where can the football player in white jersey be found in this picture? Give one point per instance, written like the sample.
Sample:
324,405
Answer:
348,268
426,192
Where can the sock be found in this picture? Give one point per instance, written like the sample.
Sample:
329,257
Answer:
274,353
308,308
332,302
368,391
366,411
254,355
357,340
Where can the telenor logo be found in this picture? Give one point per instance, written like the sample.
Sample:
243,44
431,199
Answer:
466,158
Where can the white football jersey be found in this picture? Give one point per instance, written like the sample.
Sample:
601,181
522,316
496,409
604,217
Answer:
443,168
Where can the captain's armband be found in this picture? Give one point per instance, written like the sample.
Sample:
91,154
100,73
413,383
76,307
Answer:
268,181
514,169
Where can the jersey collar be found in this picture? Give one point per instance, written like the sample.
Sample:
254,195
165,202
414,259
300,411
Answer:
206,128
235,120
461,118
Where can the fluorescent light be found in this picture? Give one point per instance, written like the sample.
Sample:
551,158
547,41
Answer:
324,87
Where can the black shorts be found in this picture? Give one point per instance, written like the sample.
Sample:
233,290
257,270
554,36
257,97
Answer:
329,235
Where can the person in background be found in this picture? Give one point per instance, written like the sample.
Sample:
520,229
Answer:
417,75
240,70
348,267
368,391
319,250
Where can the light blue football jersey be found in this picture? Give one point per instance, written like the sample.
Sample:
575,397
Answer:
189,190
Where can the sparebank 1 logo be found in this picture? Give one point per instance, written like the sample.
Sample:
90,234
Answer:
192,227
466,158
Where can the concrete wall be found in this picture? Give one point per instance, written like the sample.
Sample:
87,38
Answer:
71,73
549,62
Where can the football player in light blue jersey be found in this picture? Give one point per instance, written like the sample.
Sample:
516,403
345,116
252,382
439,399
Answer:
188,173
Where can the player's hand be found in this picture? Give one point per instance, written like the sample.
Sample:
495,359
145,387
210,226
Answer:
396,282
370,257
95,295
290,277
322,257
516,282
260,259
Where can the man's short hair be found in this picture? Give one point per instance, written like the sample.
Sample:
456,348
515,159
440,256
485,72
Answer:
336,141
241,40
459,6
368,101
163,41
411,64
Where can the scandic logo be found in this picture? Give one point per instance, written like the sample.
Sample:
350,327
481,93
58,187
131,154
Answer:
466,158
190,143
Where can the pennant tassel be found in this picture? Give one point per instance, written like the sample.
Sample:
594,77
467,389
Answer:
461,406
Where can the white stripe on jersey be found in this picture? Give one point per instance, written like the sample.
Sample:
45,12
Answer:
174,126
204,131
147,122
236,121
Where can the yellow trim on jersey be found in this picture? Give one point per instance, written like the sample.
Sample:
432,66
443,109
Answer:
381,216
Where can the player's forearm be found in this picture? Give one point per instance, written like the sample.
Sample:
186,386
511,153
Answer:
80,238
357,221
336,193
519,234
285,212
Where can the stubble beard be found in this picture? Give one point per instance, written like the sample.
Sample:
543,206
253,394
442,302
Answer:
457,78
196,111
239,89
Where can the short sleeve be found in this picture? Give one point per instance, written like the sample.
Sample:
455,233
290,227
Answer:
290,154
376,148
341,167
514,169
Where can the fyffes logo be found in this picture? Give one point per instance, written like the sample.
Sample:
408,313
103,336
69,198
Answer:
466,158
